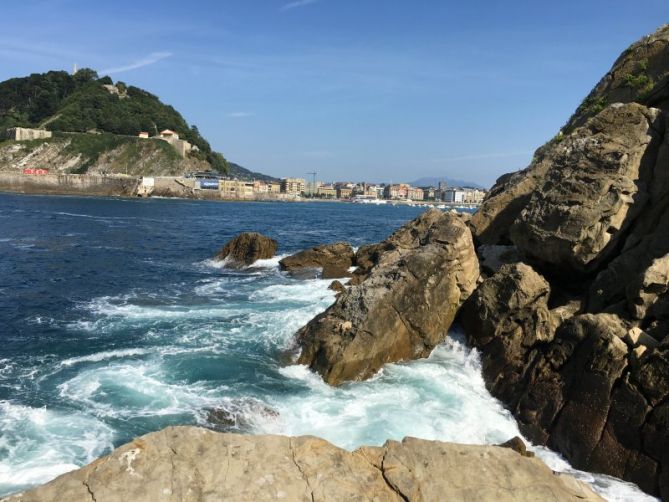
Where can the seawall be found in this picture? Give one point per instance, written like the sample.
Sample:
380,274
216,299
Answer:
68,184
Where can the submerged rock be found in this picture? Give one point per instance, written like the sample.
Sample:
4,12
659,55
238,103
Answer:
188,463
517,445
247,248
404,305
333,260
238,416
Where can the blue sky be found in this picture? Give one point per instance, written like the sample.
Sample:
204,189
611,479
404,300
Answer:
354,89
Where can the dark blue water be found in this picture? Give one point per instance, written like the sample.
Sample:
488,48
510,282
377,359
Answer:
115,322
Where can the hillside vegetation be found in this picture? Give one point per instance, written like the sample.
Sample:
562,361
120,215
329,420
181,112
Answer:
639,75
83,102
76,153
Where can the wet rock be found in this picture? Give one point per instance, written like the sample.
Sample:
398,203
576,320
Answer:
246,248
238,416
404,305
517,445
188,463
333,260
506,315
337,286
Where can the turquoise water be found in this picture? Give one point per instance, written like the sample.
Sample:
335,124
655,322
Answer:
115,322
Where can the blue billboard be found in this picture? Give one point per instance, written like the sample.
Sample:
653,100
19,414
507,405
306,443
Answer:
209,184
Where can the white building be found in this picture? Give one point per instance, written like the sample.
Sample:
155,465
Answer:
454,195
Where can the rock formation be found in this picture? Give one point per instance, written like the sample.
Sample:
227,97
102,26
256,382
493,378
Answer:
188,463
333,260
246,248
574,340
596,186
408,293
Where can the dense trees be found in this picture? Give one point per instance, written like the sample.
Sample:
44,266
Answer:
79,103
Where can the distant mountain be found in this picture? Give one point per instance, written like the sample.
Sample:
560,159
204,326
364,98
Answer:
237,171
420,182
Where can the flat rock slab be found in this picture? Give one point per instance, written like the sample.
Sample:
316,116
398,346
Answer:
193,464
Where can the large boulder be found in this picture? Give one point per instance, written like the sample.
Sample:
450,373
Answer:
247,248
333,260
597,185
506,315
403,306
192,464
503,203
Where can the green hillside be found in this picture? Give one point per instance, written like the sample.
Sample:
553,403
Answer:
83,102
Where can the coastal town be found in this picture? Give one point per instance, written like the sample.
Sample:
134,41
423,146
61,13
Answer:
292,188
210,184
230,188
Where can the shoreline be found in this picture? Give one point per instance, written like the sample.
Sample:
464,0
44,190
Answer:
127,187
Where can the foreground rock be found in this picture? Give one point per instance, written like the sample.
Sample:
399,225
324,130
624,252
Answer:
413,284
333,260
247,248
187,463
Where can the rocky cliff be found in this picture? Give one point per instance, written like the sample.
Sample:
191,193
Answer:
574,339
188,463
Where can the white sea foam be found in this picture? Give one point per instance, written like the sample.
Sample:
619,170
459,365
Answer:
271,263
105,355
306,292
125,308
39,444
130,390
442,397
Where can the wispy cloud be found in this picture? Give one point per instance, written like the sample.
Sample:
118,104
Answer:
152,58
297,4
240,115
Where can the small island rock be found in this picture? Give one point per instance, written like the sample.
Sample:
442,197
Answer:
247,248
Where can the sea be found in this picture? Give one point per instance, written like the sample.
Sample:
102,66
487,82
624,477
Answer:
115,322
